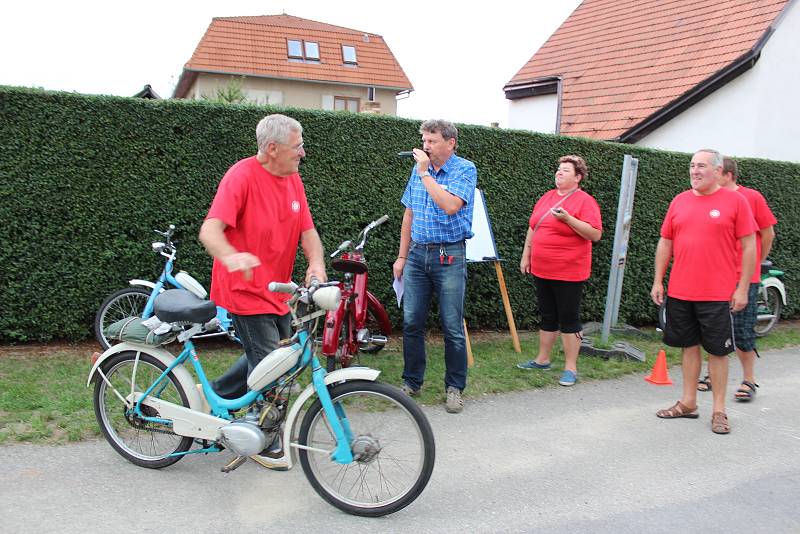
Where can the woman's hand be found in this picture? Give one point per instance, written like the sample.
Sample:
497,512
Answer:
525,263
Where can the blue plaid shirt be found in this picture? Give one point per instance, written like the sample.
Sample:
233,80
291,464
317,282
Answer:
431,224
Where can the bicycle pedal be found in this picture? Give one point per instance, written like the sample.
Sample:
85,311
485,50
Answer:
233,464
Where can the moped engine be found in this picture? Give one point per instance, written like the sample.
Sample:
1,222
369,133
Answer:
243,438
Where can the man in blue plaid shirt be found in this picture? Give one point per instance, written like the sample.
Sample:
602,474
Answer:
436,222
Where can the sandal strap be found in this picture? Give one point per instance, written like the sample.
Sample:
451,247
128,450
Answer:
751,385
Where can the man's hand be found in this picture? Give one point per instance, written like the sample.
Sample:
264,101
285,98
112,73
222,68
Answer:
397,268
241,261
423,160
316,271
739,298
657,293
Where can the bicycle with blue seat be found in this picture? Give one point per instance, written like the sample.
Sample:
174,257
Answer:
365,446
137,300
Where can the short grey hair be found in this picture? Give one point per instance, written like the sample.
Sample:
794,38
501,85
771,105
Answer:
275,129
716,156
447,129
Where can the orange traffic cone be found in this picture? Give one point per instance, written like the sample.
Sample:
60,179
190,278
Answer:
660,376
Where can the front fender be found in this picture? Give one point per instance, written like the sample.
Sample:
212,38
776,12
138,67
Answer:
772,281
181,373
340,375
142,283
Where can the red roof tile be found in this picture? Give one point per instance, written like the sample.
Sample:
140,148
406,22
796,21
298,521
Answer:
623,61
257,46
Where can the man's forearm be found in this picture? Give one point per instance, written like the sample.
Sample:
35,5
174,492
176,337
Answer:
312,248
405,233
447,201
212,236
767,239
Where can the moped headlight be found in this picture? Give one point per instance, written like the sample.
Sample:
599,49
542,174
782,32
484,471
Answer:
328,298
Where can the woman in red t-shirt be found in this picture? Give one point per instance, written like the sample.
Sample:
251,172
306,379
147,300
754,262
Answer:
558,253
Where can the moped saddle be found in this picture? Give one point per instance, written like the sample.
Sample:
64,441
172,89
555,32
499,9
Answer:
349,266
179,305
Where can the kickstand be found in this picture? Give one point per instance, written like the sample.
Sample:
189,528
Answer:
233,464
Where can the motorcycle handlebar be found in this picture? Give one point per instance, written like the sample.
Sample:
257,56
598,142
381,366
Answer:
278,287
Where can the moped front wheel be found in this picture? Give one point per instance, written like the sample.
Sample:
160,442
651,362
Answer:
769,310
141,442
128,302
392,444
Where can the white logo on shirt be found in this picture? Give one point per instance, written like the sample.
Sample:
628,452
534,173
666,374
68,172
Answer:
296,206
714,214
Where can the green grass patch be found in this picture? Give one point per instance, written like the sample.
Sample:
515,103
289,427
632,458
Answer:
44,398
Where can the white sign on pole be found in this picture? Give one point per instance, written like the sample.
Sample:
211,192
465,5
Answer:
481,246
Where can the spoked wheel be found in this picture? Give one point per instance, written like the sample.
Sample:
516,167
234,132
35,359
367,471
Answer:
392,443
128,302
144,443
374,327
769,310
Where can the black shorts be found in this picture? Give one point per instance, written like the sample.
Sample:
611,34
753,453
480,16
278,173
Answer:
559,305
705,323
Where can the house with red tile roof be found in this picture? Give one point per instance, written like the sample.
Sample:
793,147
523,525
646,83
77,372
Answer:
291,61
677,75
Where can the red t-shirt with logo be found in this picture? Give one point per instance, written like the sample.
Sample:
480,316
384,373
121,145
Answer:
704,230
764,218
265,215
557,252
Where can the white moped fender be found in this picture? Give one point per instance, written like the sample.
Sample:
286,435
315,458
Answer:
143,283
772,281
340,375
181,373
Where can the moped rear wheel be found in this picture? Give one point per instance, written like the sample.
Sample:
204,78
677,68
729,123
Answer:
128,302
392,443
769,310
143,443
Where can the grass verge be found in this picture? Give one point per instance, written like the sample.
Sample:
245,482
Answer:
44,398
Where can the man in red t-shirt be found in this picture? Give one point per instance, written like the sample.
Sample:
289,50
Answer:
744,321
252,230
700,233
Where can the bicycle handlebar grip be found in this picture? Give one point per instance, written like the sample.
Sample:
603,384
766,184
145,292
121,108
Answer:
278,287
381,220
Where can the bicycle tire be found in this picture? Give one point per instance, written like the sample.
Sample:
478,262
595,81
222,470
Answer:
397,445
128,302
144,446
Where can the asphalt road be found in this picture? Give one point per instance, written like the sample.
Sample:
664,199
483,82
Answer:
592,458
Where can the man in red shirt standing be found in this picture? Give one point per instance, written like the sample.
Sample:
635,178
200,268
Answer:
252,230
700,234
745,320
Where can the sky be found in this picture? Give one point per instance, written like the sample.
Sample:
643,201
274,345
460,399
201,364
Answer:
458,55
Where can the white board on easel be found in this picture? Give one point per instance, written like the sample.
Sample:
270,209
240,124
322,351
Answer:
481,246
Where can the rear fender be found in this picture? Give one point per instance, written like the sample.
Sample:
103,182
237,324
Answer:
380,313
181,373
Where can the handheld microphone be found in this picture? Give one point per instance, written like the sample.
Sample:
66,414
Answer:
406,154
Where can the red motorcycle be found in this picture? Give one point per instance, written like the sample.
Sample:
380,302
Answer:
360,323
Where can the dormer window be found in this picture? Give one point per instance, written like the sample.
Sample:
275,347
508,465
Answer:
302,50
349,55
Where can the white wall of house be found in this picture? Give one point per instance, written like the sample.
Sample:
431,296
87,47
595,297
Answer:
309,95
755,115
535,113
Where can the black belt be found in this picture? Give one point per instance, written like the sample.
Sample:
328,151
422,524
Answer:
438,245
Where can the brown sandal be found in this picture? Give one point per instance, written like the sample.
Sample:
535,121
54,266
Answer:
678,410
719,423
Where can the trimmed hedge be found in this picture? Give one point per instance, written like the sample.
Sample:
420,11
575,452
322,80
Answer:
84,180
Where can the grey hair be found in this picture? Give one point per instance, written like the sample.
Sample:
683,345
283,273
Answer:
275,129
447,129
716,157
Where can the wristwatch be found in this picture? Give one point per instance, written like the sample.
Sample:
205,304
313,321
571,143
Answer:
424,174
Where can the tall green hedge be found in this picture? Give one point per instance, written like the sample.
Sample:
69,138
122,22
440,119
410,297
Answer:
84,180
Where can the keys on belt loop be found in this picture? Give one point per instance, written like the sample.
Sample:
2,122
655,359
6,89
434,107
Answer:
443,257
441,254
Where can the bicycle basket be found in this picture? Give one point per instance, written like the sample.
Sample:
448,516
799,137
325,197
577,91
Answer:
131,329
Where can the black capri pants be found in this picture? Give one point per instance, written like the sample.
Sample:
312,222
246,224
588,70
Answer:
559,305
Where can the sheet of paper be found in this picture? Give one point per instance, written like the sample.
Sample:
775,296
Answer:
398,289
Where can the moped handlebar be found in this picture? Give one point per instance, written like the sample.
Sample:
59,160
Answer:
278,287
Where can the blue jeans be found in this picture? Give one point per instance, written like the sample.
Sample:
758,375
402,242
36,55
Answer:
260,335
423,276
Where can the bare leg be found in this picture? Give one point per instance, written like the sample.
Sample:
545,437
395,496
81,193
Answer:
691,361
718,367
546,342
572,346
748,361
